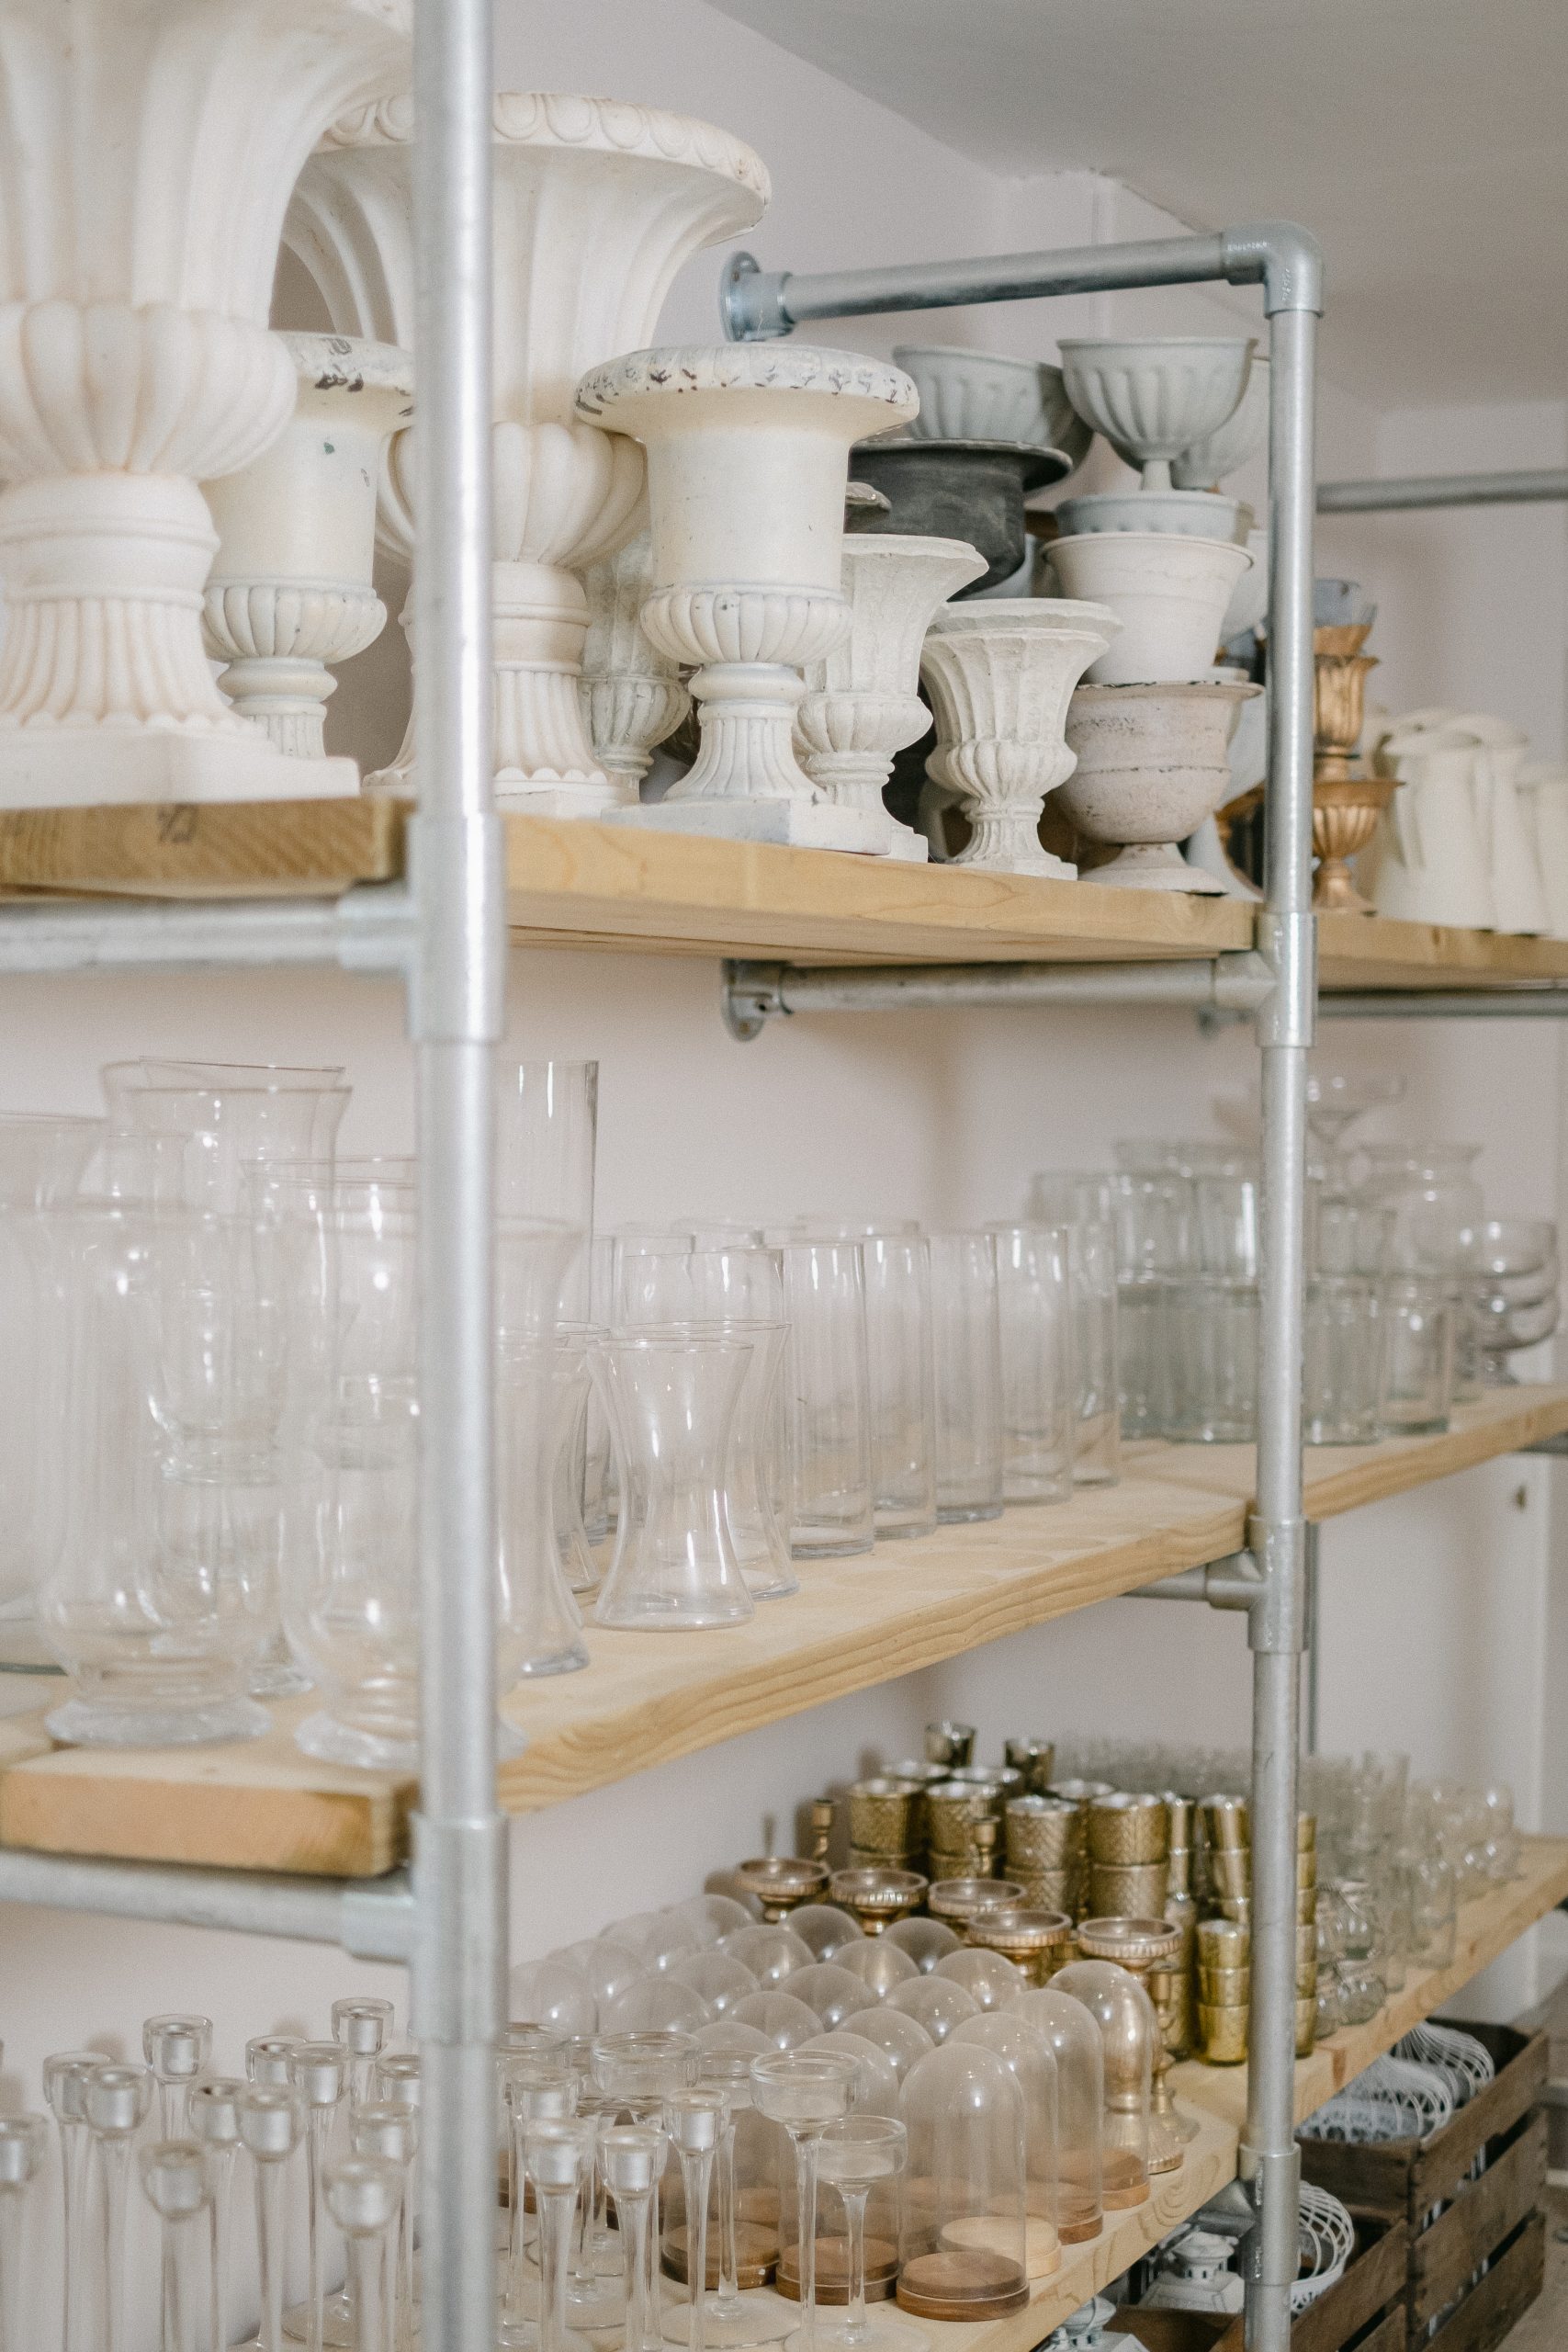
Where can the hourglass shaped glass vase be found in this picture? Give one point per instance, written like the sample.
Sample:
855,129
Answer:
363,2195
541,1388
804,2091
547,1143
177,2185
116,2101
379,2128
23,2141
671,1402
598,201
748,452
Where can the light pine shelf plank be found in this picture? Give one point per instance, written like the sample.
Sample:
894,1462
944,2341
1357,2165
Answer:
581,885
230,849
1343,1477
1485,1930
1372,951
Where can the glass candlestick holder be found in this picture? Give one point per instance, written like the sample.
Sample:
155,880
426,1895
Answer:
178,2048
24,2140
633,2156
272,2125
362,2195
176,2184
65,2085
804,2092
319,2071
862,2157
213,2116
117,2100
381,2129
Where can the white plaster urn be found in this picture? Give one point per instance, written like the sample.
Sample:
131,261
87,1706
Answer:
748,455
290,593
1208,462
149,155
862,702
597,204
1000,674
1197,514
1152,763
1168,589
632,694
1155,396
990,396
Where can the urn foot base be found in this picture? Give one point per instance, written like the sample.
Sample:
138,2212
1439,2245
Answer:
517,795
82,767
789,824
1155,866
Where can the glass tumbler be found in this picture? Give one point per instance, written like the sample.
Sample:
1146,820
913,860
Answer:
1342,1363
670,1398
827,1396
1040,1388
966,1325
896,1261
1418,1319
1083,1200
1212,1333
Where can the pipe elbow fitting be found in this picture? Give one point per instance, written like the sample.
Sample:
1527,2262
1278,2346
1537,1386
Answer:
1284,257
750,302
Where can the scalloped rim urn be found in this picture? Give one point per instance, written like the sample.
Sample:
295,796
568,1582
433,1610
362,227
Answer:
747,456
150,154
597,203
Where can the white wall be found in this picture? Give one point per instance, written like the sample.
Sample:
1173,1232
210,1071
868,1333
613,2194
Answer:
940,1117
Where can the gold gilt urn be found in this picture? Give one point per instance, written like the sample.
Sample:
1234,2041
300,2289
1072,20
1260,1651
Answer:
1344,806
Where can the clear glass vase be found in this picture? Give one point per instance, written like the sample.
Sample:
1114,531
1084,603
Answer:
672,1400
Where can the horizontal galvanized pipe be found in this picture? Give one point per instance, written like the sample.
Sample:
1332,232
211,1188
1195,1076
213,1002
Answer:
367,930
1549,1003
1239,981
1442,489
373,1919
1230,1583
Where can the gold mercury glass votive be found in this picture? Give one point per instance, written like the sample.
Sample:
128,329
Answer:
1222,2035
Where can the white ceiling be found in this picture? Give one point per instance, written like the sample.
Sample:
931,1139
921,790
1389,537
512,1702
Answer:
1412,136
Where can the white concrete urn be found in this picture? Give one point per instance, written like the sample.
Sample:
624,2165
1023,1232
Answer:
148,153
1001,672
1170,590
1152,763
632,695
861,703
747,456
597,204
290,592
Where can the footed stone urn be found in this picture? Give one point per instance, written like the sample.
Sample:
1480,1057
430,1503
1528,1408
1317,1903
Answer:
597,204
632,695
748,452
1153,762
150,147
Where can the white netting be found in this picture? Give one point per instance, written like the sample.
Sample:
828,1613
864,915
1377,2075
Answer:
1467,2062
1328,2241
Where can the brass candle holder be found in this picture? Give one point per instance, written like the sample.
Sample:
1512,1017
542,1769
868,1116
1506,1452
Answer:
1150,1949
781,1882
877,1898
1344,806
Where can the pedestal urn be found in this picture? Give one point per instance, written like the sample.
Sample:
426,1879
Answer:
747,456
597,204
1001,672
149,155
632,695
291,591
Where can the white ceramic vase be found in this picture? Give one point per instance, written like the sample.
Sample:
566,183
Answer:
290,592
632,695
1543,797
1168,590
748,453
1431,865
1157,396
1000,675
861,704
1518,891
597,204
1152,763
148,153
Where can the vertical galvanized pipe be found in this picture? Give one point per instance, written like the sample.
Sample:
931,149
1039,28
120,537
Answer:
1268,2157
455,1008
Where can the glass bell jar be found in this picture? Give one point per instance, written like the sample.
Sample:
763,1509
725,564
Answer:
1130,2039
1025,2049
773,1954
903,2039
935,2002
829,1931
925,1940
880,1966
966,2212
1072,2033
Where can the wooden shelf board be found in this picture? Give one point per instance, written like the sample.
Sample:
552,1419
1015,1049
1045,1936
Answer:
1343,1477
1486,1927
1370,952
239,850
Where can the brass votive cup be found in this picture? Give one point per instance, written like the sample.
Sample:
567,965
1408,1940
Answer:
949,1744
1234,1906
1306,1833
1035,1758
1125,1828
1223,1943
878,1857
1306,1867
1224,1988
1129,1891
1306,1943
1041,1832
1179,1864
1306,2027
1306,1905
1081,1792
1181,1813
1230,1870
1051,1890
1005,1778
781,1882
956,1901
919,1768
1307,1980
1222,2035
1037,1941
952,1806
885,1815
877,1898
1226,1822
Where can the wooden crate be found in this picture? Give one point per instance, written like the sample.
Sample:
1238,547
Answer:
1366,2308
1457,2224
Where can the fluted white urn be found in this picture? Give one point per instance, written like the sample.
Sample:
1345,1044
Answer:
292,593
597,203
861,704
148,153
1001,672
632,695
748,458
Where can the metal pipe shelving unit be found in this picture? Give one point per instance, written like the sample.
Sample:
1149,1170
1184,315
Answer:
1279,984
444,937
